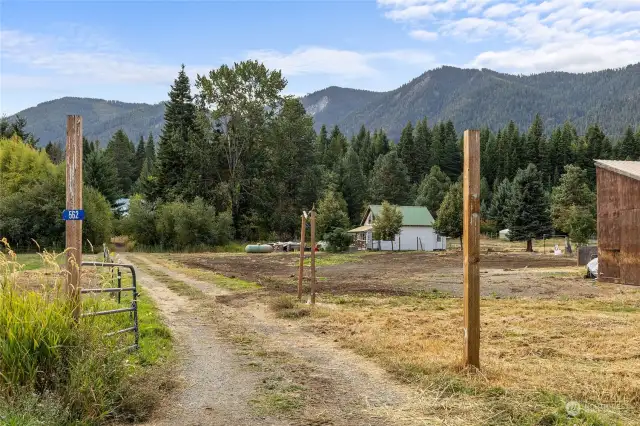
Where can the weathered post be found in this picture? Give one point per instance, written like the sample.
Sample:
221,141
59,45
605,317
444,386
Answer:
73,213
301,267
471,248
313,257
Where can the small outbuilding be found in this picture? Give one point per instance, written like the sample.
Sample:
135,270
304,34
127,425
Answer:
504,234
618,186
417,231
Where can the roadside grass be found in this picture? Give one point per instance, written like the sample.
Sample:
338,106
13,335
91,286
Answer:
537,355
230,283
56,372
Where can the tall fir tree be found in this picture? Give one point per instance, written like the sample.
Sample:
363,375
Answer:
389,180
353,185
432,190
141,153
100,172
528,208
122,155
499,208
536,142
452,156
179,126
422,140
628,148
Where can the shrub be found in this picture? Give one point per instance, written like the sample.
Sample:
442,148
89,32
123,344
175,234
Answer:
338,239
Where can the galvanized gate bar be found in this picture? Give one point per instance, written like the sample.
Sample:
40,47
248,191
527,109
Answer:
134,304
111,311
106,290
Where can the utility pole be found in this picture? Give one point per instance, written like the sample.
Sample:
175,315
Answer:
471,248
74,214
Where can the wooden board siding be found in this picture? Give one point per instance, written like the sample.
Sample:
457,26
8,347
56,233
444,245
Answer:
618,227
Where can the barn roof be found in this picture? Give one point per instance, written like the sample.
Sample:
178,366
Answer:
627,168
411,215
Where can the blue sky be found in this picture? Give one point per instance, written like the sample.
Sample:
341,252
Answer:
132,51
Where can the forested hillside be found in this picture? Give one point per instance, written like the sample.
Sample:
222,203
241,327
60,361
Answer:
468,97
100,119
476,98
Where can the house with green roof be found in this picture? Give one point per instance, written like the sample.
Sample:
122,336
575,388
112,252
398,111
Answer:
417,231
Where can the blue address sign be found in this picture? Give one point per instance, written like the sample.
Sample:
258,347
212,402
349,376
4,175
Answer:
73,215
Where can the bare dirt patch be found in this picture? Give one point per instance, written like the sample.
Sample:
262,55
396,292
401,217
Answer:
504,275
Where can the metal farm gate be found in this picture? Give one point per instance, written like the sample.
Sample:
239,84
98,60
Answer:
133,309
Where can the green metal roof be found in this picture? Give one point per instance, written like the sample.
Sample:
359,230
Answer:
411,215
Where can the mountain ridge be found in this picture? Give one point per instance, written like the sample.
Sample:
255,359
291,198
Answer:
471,98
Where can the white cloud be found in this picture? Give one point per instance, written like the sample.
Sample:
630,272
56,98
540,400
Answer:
336,62
423,35
90,60
501,10
532,35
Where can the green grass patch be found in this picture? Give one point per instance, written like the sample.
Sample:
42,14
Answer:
329,259
229,283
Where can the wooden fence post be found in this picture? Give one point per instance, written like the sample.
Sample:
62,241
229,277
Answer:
303,231
313,257
471,249
73,228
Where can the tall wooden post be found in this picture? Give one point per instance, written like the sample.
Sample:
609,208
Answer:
74,202
313,257
303,231
471,248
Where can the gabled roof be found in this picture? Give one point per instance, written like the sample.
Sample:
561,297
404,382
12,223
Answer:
411,215
627,168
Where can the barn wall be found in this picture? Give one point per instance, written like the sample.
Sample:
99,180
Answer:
407,240
618,227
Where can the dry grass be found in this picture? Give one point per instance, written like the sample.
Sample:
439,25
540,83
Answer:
539,353
288,307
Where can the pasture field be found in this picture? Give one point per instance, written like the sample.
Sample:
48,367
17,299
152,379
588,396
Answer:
548,335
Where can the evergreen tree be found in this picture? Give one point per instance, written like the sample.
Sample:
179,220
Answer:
436,153
150,150
628,148
287,185
141,153
499,210
535,143
100,173
451,156
322,145
179,126
55,152
528,208
573,205
422,141
389,180
433,189
122,154
407,153
449,221
337,148
353,185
